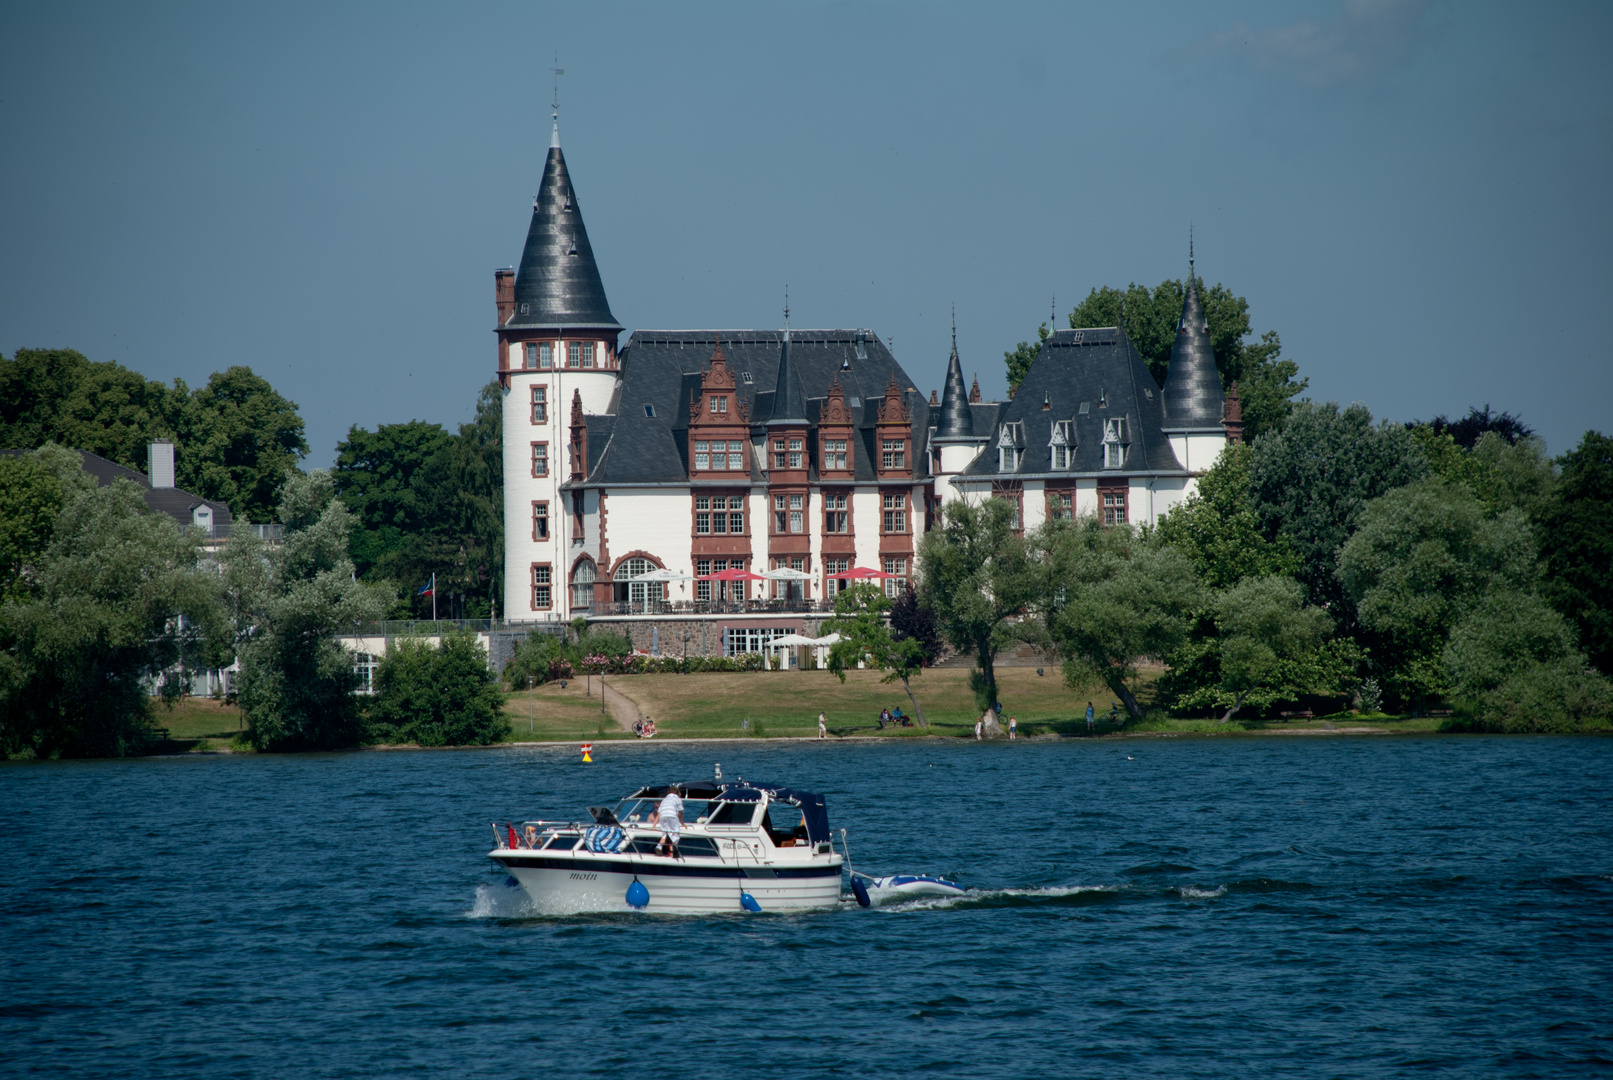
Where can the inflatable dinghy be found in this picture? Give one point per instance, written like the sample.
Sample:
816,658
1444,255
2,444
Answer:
872,892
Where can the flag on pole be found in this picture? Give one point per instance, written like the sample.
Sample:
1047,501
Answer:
429,588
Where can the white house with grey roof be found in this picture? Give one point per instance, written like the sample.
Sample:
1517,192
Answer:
1089,430
693,452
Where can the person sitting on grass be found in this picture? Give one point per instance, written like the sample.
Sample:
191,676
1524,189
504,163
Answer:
671,821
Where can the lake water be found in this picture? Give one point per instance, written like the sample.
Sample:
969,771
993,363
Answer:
1174,907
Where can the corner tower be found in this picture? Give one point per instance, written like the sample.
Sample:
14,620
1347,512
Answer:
953,442
556,344
1194,405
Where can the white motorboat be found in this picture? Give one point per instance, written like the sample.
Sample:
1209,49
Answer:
744,846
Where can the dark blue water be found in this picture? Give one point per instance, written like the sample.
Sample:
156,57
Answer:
1304,907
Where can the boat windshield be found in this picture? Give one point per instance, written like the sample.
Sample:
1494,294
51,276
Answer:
638,811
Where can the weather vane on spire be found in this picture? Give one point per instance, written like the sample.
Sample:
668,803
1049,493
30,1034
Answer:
786,307
554,140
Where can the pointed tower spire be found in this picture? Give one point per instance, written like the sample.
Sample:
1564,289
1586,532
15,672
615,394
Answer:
1192,396
955,421
554,139
789,402
974,390
557,284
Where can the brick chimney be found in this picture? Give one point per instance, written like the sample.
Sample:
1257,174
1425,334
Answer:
1232,416
504,293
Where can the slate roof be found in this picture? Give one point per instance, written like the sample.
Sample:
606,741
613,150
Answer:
1101,370
177,503
956,420
661,369
1192,395
558,280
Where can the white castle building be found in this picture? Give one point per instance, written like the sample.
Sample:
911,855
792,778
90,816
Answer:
693,452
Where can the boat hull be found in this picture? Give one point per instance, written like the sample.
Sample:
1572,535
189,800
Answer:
587,882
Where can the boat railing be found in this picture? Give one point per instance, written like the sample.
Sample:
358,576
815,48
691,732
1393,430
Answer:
502,831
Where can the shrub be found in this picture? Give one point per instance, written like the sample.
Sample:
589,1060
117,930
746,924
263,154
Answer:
438,695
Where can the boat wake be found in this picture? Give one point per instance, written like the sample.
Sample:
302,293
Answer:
1048,896
501,900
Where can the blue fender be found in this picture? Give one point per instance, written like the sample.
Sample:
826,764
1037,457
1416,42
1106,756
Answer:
748,902
860,891
637,895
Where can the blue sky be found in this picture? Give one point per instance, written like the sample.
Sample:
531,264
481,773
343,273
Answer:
1414,195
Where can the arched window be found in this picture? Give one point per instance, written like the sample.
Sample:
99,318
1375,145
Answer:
582,586
637,593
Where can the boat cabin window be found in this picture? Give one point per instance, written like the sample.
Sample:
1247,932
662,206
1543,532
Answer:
733,813
561,843
785,826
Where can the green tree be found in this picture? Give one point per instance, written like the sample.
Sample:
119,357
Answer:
118,602
1266,382
237,440
1020,358
1217,528
31,495
427,502
1111,596
1576,529
235,437
438,695
34,387
297,683
1513,665
1423,555
978,577
1273,647
1502,475
859,619
1311,479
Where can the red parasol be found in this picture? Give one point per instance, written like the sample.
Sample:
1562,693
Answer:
862,573
735,574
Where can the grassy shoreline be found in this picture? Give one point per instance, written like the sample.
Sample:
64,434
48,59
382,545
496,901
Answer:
747,706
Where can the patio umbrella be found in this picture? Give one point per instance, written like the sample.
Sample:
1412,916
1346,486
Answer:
862,573
663,575
734,574
785,573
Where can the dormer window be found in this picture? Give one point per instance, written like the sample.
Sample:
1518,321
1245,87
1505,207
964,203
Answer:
747,377
893,454
1062,438
1114,440
834,453
1009,453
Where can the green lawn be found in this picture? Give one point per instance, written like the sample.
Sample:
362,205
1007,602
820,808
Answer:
562,715
788,702
198,723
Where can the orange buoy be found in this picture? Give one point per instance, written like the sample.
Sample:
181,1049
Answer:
587,751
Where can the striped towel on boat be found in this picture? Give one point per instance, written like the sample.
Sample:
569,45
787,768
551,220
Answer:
605,839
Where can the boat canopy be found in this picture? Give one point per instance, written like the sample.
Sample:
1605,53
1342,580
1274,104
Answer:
810,803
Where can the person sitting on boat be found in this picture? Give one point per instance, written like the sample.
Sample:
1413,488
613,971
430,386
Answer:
531,836
671,821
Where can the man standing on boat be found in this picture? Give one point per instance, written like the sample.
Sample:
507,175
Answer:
671,821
